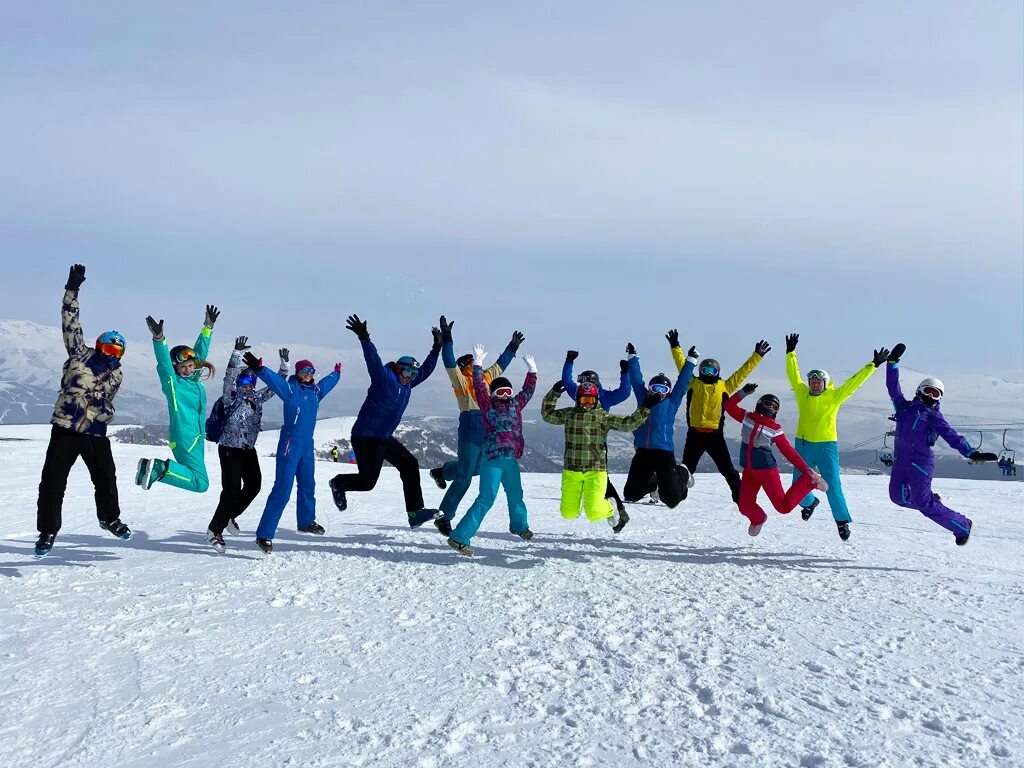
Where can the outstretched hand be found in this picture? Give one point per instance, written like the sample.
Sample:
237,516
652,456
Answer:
762,348
76,276
517,339
792,339
358,327
692,353
897,353
337,367
212,313
571,355
623,366
531,364
242,344
479,355
747,389
438,337
283,353
252,362
630,349
673,338
558,386
446,329
155,328
880,356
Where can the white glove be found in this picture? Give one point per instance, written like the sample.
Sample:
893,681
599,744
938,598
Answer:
479,355
531,365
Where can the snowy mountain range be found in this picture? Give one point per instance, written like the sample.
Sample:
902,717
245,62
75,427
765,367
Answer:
31,357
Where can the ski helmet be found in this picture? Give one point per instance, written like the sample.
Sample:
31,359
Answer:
409,365
709,368
111,344
590,376
464,360
819,373
768,405
498,383
182,353
660,383
931,389
586,394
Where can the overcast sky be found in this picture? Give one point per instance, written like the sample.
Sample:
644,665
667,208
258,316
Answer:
591,173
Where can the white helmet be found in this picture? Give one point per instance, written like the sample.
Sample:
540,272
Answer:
819,373
932,382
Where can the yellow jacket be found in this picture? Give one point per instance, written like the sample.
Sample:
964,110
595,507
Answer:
704,401
818,413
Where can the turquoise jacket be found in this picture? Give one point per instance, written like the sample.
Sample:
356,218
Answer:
186,398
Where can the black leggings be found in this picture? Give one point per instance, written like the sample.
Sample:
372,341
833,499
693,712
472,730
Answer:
240,479
713,444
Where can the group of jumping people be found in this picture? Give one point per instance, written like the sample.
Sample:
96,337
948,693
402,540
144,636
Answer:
490,433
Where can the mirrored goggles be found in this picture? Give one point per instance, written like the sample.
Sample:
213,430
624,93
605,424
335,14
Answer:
111,350
185,355
307,369
661,389
709,370
933,392
247,380
587,399
409,373
816,374
503,392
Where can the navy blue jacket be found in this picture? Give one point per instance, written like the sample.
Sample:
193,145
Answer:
387,398
658,431
607,398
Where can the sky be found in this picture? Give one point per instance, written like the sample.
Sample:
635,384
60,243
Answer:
591,173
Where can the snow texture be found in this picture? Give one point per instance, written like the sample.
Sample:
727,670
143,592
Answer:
680,642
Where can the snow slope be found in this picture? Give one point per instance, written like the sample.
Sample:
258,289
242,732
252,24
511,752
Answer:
681,642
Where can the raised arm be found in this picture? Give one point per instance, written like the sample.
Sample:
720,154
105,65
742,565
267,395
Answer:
276,382
164,367
611,398
793,368
732,407
507,355
760,350
427,367
629,423
685,374
529,384
547,407
328,382
233,369
855,382
483,395
71,325
892,385
202,346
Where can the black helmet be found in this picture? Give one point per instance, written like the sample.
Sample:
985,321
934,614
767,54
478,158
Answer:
709,370
768,405
660,378
501,381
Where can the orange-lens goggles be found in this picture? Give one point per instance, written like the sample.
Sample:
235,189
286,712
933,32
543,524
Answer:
185,356
586,399
111,350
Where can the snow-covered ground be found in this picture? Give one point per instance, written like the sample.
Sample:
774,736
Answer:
680,642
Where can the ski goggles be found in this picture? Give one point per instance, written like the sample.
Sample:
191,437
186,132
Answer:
709,370
185,355
816,374
586,399
503,392
409,372
307,369
933,392
111,350
247,380
661,389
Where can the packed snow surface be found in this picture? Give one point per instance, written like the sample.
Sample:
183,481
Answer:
681,641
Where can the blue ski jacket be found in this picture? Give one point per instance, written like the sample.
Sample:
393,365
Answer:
301,401
658,431
608,398
387,398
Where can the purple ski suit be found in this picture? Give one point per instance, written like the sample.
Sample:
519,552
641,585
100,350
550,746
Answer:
918,426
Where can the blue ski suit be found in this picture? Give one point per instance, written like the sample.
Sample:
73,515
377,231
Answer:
295,458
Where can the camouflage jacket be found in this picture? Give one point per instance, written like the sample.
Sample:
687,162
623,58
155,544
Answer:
89,382
244,410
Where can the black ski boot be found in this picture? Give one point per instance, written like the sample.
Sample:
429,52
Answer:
117,528
416,519
524,535
623,519
444,525
462,549
961,540
266,545
806,512
437,475
44,544
313,527
844,530
339,495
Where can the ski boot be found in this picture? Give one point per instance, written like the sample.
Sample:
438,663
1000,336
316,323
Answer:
462,549
844,530
961,540
819,481
753,530
44,544
416,519
117,528
313,527
687,476
215,540
339,495
437,475
443,525
232,527
806,512
655,498
265,544
623,519
149,471
525,535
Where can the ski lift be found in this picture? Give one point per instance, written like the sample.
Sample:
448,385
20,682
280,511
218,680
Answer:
981,440
1006,459
885,454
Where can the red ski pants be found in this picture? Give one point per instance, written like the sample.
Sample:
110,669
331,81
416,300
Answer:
784,501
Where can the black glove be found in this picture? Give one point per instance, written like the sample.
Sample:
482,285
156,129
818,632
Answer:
652,399
623,366
252,362
242,344
692,352
762,348
630,349
358,327
446,330
792,340
558,386
571,355
979,456
897,352
880,356
747,389
436,333
283,354
76,276
517,339
212,313
673,338
157,329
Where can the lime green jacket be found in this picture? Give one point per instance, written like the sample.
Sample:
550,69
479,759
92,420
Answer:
186,398
818,413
